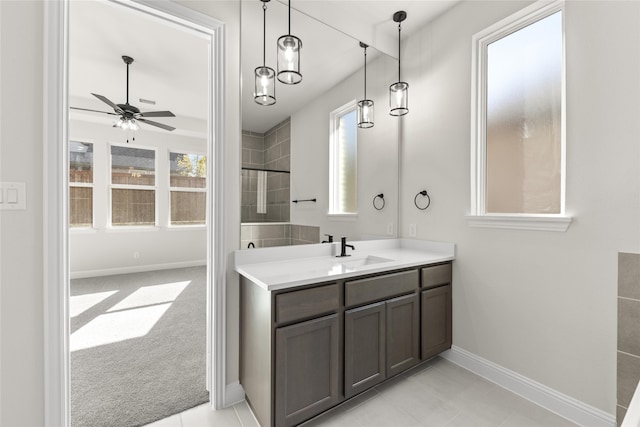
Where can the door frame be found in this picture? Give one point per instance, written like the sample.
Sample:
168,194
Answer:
55,200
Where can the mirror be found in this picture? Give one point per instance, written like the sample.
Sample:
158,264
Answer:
286,146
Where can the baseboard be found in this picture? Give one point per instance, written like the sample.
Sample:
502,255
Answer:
233,393
135,269
559,403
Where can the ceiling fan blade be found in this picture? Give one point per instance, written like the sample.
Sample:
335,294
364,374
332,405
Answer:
157,114
109,103
94,111
160,125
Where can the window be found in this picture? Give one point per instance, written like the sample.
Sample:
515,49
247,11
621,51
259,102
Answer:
188,188
342,163
80,184
133,191
518,139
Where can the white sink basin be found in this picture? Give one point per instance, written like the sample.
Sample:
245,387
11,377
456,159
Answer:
360,262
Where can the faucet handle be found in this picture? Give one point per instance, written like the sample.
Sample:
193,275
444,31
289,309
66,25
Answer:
329,238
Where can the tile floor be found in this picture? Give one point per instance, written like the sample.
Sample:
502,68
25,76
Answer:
437,393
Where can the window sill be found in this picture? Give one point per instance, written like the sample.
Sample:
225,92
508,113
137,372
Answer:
131,228
342,217
559,223
187,227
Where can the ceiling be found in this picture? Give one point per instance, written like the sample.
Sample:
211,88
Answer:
170,62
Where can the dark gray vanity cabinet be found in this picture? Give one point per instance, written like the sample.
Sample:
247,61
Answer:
307,369
290,351
381,339
306,349
436,310
403,333
365,347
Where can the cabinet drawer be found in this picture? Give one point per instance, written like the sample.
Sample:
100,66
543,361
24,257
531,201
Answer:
436,276
381,287
306,303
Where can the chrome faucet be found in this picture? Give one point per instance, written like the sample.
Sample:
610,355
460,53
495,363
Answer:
344,246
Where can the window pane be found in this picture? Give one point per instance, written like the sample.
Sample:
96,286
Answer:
80,206
188,207
132,166
524,107
188,170
80,161
346,167
133,207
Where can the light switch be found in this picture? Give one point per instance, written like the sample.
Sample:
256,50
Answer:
13,196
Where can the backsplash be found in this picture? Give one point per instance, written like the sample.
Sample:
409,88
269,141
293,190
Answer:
268,235
628,330
271,150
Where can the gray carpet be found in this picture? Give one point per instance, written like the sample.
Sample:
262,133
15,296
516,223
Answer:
141,380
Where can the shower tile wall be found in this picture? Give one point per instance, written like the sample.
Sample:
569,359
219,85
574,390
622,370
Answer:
628,330
269,151
267,235
277,155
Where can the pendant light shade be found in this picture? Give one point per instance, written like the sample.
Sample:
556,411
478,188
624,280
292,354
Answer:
289,47
365,107
399,91
265,77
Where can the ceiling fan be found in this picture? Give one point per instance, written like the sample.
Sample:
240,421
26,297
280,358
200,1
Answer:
129,114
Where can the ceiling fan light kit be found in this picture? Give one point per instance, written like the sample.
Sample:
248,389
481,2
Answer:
130,116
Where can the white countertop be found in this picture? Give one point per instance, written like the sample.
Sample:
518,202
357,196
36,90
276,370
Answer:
287,266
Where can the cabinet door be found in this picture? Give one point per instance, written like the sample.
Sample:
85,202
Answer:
307,369
403,335
364,348
436,321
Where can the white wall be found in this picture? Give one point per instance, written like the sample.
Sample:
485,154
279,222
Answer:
106,250
377,157
21,293
228,11
542,304
21,130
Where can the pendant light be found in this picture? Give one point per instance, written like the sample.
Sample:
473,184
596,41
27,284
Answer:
289,57
365,107
399,91
265,88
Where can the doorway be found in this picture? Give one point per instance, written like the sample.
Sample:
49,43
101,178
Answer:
57,262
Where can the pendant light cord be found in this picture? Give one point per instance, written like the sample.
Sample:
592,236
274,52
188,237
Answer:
264,34
399,25
365,73
289,17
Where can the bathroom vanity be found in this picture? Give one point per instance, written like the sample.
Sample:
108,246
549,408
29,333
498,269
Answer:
316,329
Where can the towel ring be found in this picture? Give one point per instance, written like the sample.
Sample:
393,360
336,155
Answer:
425,194
381,197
